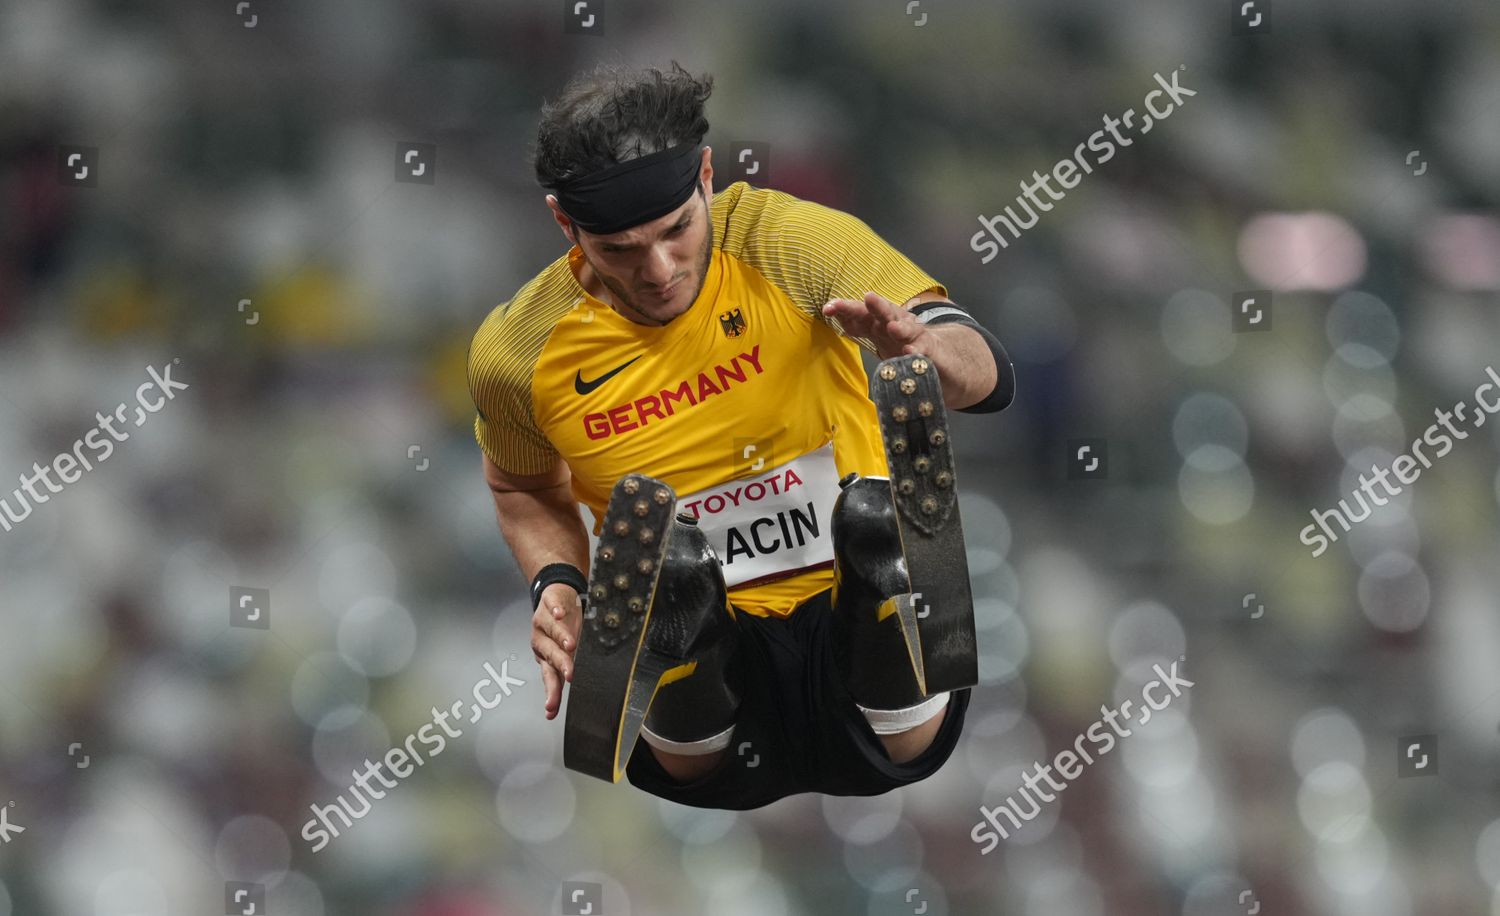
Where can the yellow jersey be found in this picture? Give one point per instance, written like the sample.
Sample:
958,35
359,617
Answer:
750,404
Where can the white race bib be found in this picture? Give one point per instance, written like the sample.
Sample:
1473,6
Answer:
772,525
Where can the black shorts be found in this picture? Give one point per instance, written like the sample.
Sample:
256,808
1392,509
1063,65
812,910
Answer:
798,729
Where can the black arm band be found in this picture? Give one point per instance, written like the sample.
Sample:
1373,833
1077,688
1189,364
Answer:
942,312
552,573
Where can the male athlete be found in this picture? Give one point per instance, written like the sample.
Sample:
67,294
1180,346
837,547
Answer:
779,601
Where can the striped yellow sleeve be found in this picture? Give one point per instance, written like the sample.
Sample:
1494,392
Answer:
501,359
817,253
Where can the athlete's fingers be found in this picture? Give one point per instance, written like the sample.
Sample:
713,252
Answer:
550,653
898,323
572,616
561,596
894,330
881,311
556,629
877,319
852,316
846,311
903,333
904,330
544,644
563,615
554,690
562,630
881,308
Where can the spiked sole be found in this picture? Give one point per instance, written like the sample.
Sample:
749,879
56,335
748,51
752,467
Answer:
615,675
937,616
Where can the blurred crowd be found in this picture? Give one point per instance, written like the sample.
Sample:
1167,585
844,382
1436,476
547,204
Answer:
1339,171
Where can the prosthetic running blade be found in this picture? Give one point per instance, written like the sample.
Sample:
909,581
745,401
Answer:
919,451
615,674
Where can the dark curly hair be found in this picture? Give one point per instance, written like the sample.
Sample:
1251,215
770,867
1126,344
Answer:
613,114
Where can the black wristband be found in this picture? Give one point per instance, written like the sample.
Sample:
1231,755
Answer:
940,311
552,573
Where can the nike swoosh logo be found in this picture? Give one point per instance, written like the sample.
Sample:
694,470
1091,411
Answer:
583,387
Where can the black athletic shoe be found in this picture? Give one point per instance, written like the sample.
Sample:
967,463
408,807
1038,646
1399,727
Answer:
939,606
632,644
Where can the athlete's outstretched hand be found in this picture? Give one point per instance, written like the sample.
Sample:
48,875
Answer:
554,639
965,363
893,330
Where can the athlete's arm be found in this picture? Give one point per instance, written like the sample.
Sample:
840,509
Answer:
964,361
829,261
540,521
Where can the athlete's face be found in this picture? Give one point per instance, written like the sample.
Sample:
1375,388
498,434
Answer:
654,270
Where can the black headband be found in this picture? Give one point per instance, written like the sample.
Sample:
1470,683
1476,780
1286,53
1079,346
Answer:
632,192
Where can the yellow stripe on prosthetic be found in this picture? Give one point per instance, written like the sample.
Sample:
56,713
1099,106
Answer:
671,675
676,674
912,639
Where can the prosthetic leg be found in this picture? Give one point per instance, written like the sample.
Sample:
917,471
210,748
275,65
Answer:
903,608
657,639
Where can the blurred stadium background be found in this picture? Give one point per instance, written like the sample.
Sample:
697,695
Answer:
1348,161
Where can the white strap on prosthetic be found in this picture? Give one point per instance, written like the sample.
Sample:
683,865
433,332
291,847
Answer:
895,721
688,748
